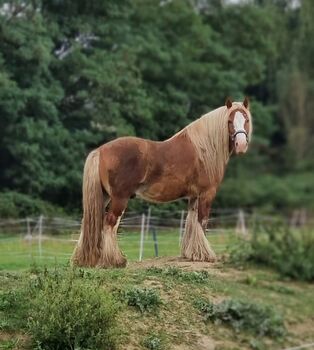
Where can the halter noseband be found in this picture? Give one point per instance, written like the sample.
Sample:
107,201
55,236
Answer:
240,132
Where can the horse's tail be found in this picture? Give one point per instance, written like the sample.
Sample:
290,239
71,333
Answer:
87,252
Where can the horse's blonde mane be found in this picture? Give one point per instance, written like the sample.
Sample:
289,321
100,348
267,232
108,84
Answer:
210,136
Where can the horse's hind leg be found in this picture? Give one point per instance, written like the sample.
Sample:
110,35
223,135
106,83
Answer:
195,246
111,255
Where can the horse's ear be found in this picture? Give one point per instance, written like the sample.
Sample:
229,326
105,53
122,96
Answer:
228,102
246,102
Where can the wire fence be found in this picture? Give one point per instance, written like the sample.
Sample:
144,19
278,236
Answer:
141,235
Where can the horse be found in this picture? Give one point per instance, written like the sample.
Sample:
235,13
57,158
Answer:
191,165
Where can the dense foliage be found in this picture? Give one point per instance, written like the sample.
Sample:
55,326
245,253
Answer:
75,74
242,315
67,314
289,251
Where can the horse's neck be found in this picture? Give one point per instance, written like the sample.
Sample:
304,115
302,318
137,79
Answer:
211,140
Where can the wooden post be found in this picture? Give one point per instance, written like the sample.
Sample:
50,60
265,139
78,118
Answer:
181,229
154,233
147,222
142,238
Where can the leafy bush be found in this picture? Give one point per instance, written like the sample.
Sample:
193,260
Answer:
69,314
289,251
144,299
242,315
14,204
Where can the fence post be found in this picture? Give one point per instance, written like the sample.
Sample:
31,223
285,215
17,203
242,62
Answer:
28,235
40,234
181,229
241,227
154,233
142,237
148,222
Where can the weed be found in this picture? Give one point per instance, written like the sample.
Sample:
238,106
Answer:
185,276
241,315
13,309
8,300
280,289
153,342
9,344
144,299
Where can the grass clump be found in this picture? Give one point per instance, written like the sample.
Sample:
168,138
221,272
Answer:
241,315
69,314
144,299
289,251
185,276
9,300
13,309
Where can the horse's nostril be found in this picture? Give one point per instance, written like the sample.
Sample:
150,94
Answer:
237,144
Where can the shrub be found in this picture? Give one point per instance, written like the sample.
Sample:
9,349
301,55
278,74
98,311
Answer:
69,314
144,299
289,251
241,315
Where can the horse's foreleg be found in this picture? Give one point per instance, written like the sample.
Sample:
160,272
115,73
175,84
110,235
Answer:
195,245
111,255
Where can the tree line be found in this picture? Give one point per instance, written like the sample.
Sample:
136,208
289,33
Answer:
75,74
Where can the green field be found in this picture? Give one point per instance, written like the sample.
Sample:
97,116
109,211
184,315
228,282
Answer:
177,323
18,253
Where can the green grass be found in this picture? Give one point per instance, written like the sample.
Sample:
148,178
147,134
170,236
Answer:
17,253
176,323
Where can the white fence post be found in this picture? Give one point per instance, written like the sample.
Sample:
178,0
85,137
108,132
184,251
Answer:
142,237
241,227
40,234
28,235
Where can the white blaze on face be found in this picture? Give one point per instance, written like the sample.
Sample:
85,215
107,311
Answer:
240,142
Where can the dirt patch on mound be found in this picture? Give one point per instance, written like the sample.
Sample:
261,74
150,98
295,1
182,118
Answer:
174,262
213,268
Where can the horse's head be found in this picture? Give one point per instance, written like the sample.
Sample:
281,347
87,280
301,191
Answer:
239,125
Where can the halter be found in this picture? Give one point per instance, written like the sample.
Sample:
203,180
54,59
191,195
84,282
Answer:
240,132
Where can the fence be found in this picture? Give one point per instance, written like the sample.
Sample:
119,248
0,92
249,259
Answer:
141,236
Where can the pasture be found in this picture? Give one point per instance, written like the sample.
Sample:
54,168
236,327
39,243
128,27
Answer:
175,322
16,252
159,303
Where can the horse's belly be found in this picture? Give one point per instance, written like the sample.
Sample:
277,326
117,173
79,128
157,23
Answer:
160,192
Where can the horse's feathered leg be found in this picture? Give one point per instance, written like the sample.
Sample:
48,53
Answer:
111,255
195,246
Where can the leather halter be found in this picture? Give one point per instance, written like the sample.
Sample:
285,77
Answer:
240,132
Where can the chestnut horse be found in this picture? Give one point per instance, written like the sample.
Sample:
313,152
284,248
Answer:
191,164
